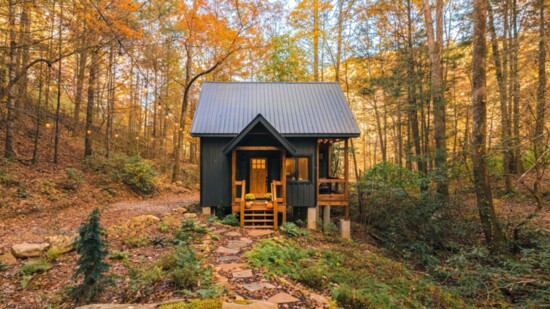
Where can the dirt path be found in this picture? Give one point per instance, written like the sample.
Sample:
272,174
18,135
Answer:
35,227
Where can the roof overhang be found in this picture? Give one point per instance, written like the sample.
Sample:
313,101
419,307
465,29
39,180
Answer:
259,119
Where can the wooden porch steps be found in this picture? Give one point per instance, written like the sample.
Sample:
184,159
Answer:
258,217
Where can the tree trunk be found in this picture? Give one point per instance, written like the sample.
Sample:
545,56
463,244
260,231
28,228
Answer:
487,215
25,46
506,132
539,140
9,152
81,71
183,114
435,46
517,166
339,41
110,101
59,75
88,139
316,40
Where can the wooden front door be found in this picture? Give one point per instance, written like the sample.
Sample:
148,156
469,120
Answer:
258,176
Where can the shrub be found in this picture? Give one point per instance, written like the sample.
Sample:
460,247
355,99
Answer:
231,220
392,175
182,267
73,179
3,266
34,267
292,230
90,265
139,175
53,253
188,230
313,277
119,255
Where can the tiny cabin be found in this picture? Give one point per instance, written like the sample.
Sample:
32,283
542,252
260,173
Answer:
265,148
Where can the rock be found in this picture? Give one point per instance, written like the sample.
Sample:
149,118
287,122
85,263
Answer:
258,233
62,242
246,240
318,299
256,286
236,244
222,259
8,259
217,231
247,273
118,306
190,215
282,298
253,305
181,210
230,266
144,219
233,234
224,250
26,250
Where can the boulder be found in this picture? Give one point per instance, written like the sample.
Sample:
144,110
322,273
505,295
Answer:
117,306
144,219
8,259
252,305
318,299
26,250
181,210
282,298
62,242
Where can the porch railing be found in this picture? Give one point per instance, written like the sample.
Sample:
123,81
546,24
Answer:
241,201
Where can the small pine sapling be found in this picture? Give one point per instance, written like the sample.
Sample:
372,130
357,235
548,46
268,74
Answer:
91,264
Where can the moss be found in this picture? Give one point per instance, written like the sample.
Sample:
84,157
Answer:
195,304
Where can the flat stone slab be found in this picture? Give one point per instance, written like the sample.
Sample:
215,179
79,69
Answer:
258,233
224,250
230,266
237,244
26,250
256,286
253,305
246,240
228,258
247,273
282,298
233,234
218,231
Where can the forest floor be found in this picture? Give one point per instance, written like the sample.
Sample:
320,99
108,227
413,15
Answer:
130,230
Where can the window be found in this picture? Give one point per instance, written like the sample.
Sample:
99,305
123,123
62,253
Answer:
297,169
258,164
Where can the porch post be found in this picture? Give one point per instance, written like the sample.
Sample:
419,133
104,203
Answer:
233,176
346,177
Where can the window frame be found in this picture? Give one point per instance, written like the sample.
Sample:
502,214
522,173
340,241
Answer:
296,169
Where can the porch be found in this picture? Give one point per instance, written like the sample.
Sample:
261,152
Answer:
263,166
332,186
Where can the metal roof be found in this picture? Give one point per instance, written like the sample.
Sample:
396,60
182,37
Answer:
293,109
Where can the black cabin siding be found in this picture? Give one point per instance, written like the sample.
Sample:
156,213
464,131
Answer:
301,193
215,172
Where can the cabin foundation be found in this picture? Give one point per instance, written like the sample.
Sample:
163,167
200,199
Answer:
312,218
345,229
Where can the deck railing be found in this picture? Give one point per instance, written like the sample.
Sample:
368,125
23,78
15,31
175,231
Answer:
335,191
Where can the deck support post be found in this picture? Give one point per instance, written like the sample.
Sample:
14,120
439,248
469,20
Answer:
345,229
312,218
326,216
206,211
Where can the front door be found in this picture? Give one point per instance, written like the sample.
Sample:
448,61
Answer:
258,176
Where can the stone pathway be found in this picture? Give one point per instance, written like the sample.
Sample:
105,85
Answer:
232,271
